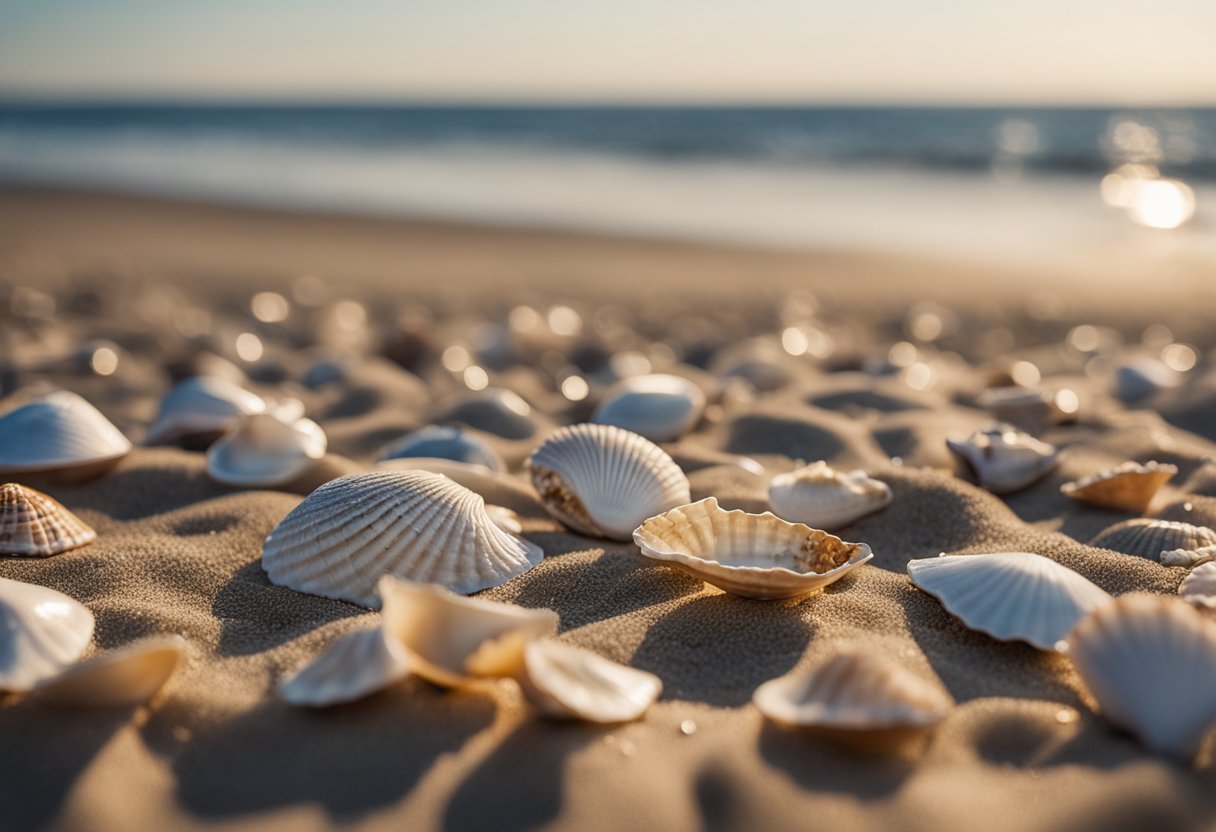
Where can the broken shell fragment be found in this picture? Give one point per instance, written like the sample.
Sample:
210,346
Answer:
571,683
33,524
1005,459
41,633
59,433
125,677
824,498
1129,487
263,451
356,665
1150,538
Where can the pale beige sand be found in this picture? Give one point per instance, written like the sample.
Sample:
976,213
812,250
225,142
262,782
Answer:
177,553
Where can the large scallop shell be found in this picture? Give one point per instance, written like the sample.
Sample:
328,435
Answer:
125,677
202,407
451,640
41,632
604,481
1011,596
1189,558
824,498
1005,459
445,442
33,524
264,450
1150,661
496,487
571,683
59,432
1129,487
1150,538
353,530
356,665
660,407
1199,586
751,555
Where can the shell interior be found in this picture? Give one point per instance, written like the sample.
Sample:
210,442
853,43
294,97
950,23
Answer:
125,677
571,683
356,665
1129,487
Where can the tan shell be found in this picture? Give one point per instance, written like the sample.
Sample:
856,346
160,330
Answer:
1129,487
264,450
1189,558
125,677
356,665
33,524
1199,586
60,432
824,498
568,682
1150,538
41,633
1005,459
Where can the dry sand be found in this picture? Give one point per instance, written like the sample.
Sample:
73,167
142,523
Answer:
178,553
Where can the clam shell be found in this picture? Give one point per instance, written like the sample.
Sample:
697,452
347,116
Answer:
751,555
1150,662
451,640
1189,558
1011,596
41,632
1199,586
264,450
33,524
356,665
659,407
353,530
604,481
824,498
59,432
202,406
1005,459
495,487
445,442
500,412
1129,487
125,677
1150,537
571,683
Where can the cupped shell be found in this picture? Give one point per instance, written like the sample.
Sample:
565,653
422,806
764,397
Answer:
751,555
1129,487
202,406
824,498
1151,538
125,677
264,450
35,525
353,530
59,432
41,633
1011,596
604,481
1199,586
1189,558
568,682
356,665
1005,459
445,442
660,407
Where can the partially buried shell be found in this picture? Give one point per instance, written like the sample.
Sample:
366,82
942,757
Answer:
35,525
1011,596
500,412
571,683
264,450
825,498
125,677
1150,662
604,481
660,407
1188,557
1199,586
353,530
445,442
356,665
41,633
1005,459
496,487
1150,538
201,409
1129,487
59,433
751,555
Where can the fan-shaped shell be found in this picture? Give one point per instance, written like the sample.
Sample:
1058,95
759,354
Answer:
1129,487
1199,586
202,406
1005,459
33,524
1149,537
356,665
264,450
353,530
1150,661
659,407
41,632
1011,596
125,677
751,555
500,412
571,683
1189,558
824,498
445,442
497,487
604,481
451,640
59,432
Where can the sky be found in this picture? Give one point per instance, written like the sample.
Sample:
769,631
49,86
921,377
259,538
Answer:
747,51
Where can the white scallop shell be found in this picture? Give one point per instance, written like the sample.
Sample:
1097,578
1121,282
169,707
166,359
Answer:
200,406
604,481
824,498
59,432
1011,596
1151,538
451,640
660,407
1199,586
1189,558
571,683
41,632
445,442
1005,459
1128,487
125,677
751,555
263,451
33,524
1150,661
497,487
353,530
356,665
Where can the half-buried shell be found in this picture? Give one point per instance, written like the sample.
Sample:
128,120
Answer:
264,450
445,442
1005,459
356,665
125,677
568,682
59,433
33,524
41,633
824,498
1199,586
1129,487
660,407
1150,538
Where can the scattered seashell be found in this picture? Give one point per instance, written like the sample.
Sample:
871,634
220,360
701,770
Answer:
1023,405
60,433
1128,487
571,683
445,442
1141,377
202,409
659,407
356,665
1150,661
1199,586
604,481
761,362
1150,538
1011,596
1005,459
125,677
751,555
451,640
824,498
1189,558
41,632
353,530
495,487
263,451
33,524
500,412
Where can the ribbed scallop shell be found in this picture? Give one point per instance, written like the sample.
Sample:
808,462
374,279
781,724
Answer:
1005,459
356,665
497,487
824,498
1129,487
1011,596
59,432
1199,586
1150,661
33,524
659,407
41,632
751,555
1189,558
571,683
1150,537
125,677
264,450
202,406
604,481
424,527
445,442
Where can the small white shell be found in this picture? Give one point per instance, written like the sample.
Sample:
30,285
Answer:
202,406
660,407
1189,558
356,665
751,555
1011,596
125,677
1005,459
1150,537
445,442
263,451
1150,661
497,487
571,683
41,632
500,412
59,432
33,524
1128,487
824,498
451,640
604,481
353,530
1199,586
